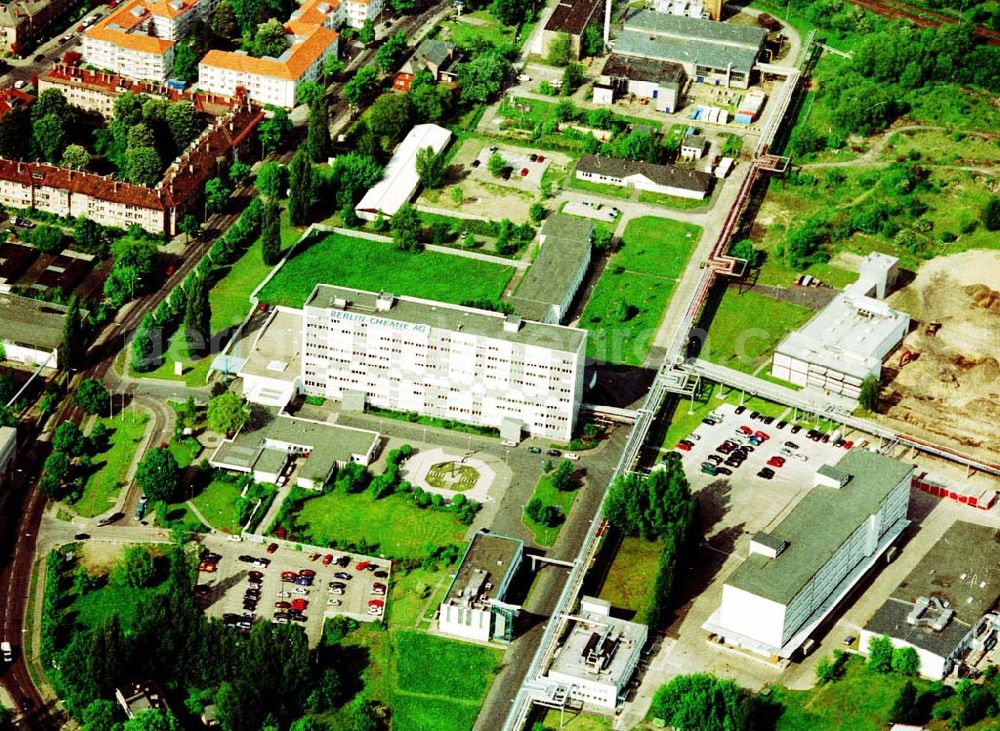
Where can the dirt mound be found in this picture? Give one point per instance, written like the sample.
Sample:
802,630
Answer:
951,390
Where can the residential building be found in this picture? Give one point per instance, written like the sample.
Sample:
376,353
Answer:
689,8
31,331
693,146
799,571
597,659
569,17
24,21
11,99
664,179
400,179
845,342
660,81
317,448
110,202
137,39
357,12
547,289
270,80
474,607
710,52
8,454
439,58
140,696
946,607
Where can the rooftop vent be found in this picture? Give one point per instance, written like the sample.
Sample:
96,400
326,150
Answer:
512,323
339,303
384,301
929,612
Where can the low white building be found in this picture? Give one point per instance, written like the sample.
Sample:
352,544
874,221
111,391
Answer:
846,341
598,658
661,82
474,607
798,572
31,331
663,179
400,179
946,607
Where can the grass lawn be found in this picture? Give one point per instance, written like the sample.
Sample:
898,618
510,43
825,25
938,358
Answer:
629,581
683,423
374,266
614,191
942,147
747,327
103,485
549,495
407,606
671,201
181,514
394,523
575,721
217,502
433,665
185,451
660,246
640,276
485,27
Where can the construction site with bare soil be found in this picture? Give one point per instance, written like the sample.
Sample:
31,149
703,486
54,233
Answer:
945,384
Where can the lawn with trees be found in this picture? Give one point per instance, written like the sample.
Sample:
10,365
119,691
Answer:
121,438
550,503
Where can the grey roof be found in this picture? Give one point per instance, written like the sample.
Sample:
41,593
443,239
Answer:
643,69
571,16
560,258
489,554
31,323
696,29
698,53
436,52
671,175
766,539
828,470
444,316
815,528
694,140
962,569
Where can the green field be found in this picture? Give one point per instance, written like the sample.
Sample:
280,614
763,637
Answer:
217,502
575,721
394,523
376,266
628,582
625,308
428,664
480,26
746,328
544,490
111,467
97,606
614,191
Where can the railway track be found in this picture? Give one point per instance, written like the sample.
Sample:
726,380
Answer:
922,17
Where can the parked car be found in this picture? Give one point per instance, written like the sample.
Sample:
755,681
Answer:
328,559
763,435
362,565
692,437
282,605
848,444
554,453
255,576
272,548
724,471
300,590
795,429
573,456
283,594
776,461
754,415
791,445
113,518
299,605
376,606
782,424
533,157
303,581
534,450
307,572
336,590
246,559
289,576
342,575
714,458
81,536
210,556
541,158
475,163
709,469
744,429
280,619
381,574
207,567
684,446
740,409
766,473
313,556
333,602
6,652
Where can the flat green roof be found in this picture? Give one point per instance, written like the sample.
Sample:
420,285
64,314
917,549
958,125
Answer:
819,525
565,251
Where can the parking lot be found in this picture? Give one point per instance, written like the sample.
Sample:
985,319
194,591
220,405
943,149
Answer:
524,172
325,582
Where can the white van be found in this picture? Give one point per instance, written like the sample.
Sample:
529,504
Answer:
7,652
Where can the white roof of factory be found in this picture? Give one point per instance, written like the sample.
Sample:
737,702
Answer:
400,179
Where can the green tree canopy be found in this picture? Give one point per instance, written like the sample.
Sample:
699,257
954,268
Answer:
185,63
480,79
227,413
76,157
880,654
143,166
91,396
302,188
703,702
558,50
430,167
273,130
269,39
272,177
135,568
158,474
405,226
652,506
216,195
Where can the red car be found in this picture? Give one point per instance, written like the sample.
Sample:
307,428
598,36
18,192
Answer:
776,461
376,606
289,576
207,567
307,572
255,576
272,548
541,158
524,172
362,565
328,559
684,447
299,605
762,435
746,430
378,588
282,605
848,444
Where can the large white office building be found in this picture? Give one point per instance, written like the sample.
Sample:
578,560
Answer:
845,342
798,571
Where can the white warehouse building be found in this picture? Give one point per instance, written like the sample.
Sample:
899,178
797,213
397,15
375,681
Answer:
401,180
799,571
845,342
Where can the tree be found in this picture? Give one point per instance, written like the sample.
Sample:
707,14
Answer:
47,239
224,23
197,316
430,167
50,136
189,226
403,7
143,348
389,54
536,213
880,654
359,85
744,249
868,398
141,134
318,131
496,164
391,116
98,715
592,41
55,470
157,719
333,66
68,439
906,661
271,179
991,214
558,52
457,195
703,702
572,78
905,708
158,474
136,568
301,188
508,12
480,79
227,413
269,39
216,195
51,101
562,478
826,670
87,233
91,396
652,506
405,226
238,171
309,92
76,157
182,121
185,63
431,100
273,130
270,233
367,33
143,166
